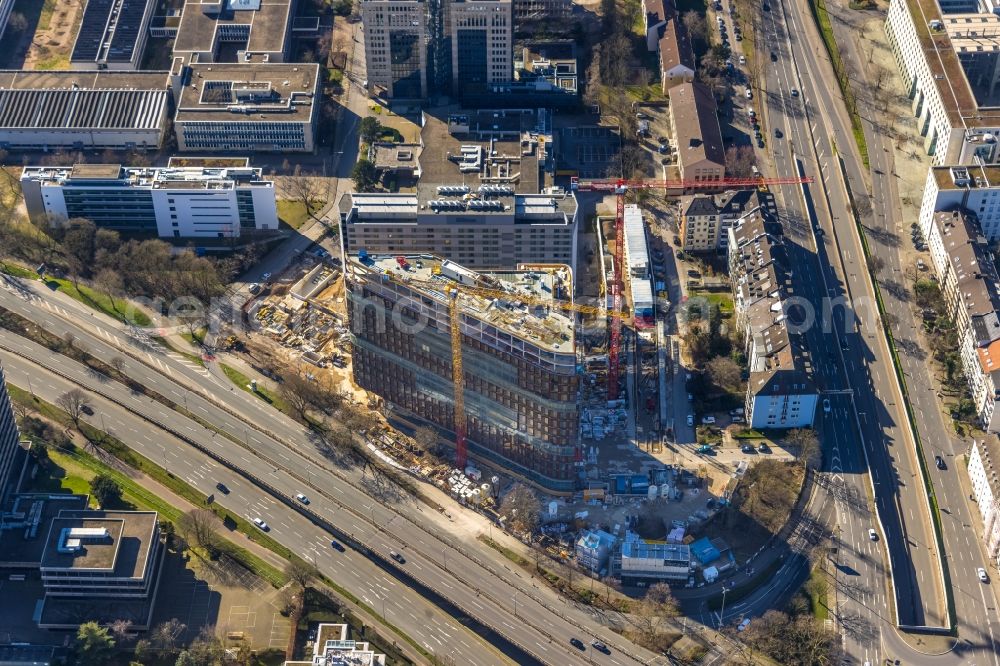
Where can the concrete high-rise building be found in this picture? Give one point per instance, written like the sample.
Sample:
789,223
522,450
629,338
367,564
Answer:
518,357
8,436
184,202
481,43
418,48
396,46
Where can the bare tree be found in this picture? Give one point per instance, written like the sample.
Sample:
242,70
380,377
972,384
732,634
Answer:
17,22
121,630
74,403
301,572
740,161
166,635
875,263
725,373
110,282
806,442
520,509
118,363
301,394
199,527
304,189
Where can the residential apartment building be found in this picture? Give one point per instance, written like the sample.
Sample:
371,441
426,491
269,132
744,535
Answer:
518,357
984,465
396,47
245,107
99,557
701,155
781,389
935,53
186,202
677,63
112,34
482,48
42,110
975,188
971,288
705,219
9,437
655,14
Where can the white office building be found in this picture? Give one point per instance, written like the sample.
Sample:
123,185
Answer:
935,53
985,479
187,202
974,188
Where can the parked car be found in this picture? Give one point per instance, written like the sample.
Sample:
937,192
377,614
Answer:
746,448
705,448
872,534
302,498
743,60
764,448
826,405
743,625
261,525
737,419
983,576
707,420
690,419
748,93
939,461
254,288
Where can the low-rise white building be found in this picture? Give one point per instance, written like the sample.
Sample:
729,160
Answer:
185,202
333,648
645,562
975,188
984,475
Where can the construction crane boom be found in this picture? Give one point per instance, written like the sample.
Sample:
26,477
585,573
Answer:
620,187
458,375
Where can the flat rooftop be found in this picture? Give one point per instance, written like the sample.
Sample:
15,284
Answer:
524,304
36,511
148,177
109,30
121,554
249,92
949,76
264,24
503,158
969,177
98,100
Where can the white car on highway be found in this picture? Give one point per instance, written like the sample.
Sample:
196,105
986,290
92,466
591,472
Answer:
261,525
983,576
302,498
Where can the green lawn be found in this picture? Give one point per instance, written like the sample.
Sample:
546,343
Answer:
294,213
722,301
816,589
17,271
100,301
243,382
197,338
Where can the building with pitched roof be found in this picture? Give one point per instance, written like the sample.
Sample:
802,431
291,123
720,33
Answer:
781,388
984,475
677,63
971,288
654,16
701,155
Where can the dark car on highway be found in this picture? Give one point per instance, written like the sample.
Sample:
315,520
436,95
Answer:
336,546
600,647
577,643
222,488
939,461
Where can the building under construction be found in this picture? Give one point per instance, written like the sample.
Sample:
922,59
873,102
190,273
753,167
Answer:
517,359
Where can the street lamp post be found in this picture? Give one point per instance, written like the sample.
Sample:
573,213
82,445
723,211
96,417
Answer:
722,613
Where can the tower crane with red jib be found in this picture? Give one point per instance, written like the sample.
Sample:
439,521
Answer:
620,188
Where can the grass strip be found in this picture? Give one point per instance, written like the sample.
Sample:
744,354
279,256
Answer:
243,382
17,271
99,301
165,342
822,18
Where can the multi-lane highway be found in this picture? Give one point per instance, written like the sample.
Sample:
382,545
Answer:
818,133
475,578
